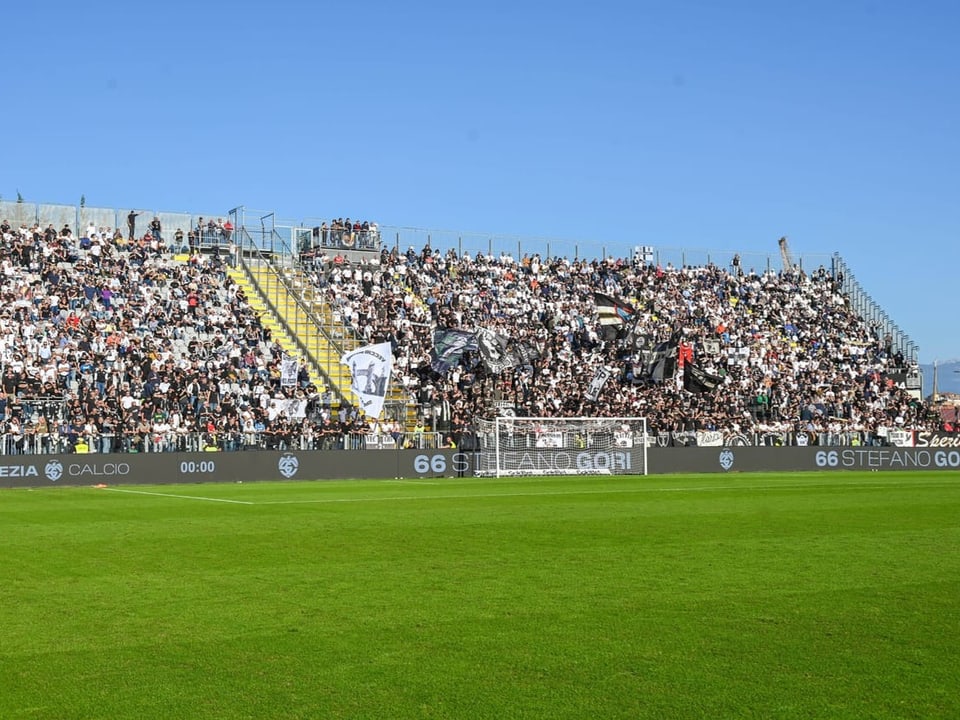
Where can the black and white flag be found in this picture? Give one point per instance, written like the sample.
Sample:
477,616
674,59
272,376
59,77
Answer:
449,346
494,353
526,353
370,368
599,380
698,380
289,368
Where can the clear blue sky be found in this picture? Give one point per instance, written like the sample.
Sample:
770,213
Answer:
683,123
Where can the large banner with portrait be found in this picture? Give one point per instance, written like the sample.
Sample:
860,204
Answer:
370,368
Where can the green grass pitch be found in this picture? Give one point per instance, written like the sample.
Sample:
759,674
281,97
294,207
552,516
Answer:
721,596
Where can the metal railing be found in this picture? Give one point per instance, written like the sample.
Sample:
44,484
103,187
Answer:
316,327
314,332
270,234
109,444
873,314
80,217
169,442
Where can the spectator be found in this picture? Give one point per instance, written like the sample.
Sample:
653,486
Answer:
155,229
131,225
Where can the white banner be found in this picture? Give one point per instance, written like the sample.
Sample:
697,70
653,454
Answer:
709,438
288,371
295,408
900,438
370,368
550,439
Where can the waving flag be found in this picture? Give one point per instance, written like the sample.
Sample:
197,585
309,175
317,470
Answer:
493,351
698,380
449,346
661,360
612,312
600,378
370,368
525,353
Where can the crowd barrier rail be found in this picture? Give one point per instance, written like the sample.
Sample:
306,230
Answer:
255,441
174,442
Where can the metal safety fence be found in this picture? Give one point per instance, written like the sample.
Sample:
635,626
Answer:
189,442
184,442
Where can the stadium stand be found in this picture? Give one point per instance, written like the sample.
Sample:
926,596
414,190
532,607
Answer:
112,345
791,356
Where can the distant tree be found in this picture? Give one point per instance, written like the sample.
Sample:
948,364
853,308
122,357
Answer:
83,201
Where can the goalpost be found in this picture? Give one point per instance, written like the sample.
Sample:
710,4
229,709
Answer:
562,446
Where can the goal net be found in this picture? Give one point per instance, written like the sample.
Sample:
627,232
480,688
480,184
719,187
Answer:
562,446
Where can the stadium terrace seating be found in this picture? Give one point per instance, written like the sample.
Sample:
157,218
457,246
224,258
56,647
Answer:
129,348
792,356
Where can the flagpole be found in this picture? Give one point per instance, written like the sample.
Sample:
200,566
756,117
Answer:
934,398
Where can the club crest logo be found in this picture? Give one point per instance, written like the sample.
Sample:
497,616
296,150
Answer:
288,465
726,459
53,470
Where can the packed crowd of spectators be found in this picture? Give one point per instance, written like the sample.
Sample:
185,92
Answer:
792,355
117,344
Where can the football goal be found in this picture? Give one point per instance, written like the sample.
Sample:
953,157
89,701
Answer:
562,446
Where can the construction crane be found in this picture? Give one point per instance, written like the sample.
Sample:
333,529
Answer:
785,254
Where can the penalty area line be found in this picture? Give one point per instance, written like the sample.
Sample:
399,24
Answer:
180,497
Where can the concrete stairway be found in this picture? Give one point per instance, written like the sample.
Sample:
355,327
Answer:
271,321
292,310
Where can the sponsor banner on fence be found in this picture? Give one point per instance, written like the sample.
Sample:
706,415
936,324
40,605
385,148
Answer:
797,459
928,439
255,466
266,466
923,438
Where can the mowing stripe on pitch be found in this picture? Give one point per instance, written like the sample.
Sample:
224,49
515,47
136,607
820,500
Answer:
611,491
412,482
548,493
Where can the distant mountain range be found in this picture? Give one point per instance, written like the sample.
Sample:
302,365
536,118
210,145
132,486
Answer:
948,377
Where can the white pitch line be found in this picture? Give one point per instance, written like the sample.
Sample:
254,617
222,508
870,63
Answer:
181,497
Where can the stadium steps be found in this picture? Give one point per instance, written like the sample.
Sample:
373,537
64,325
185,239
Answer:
325,346
301,326
269,319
